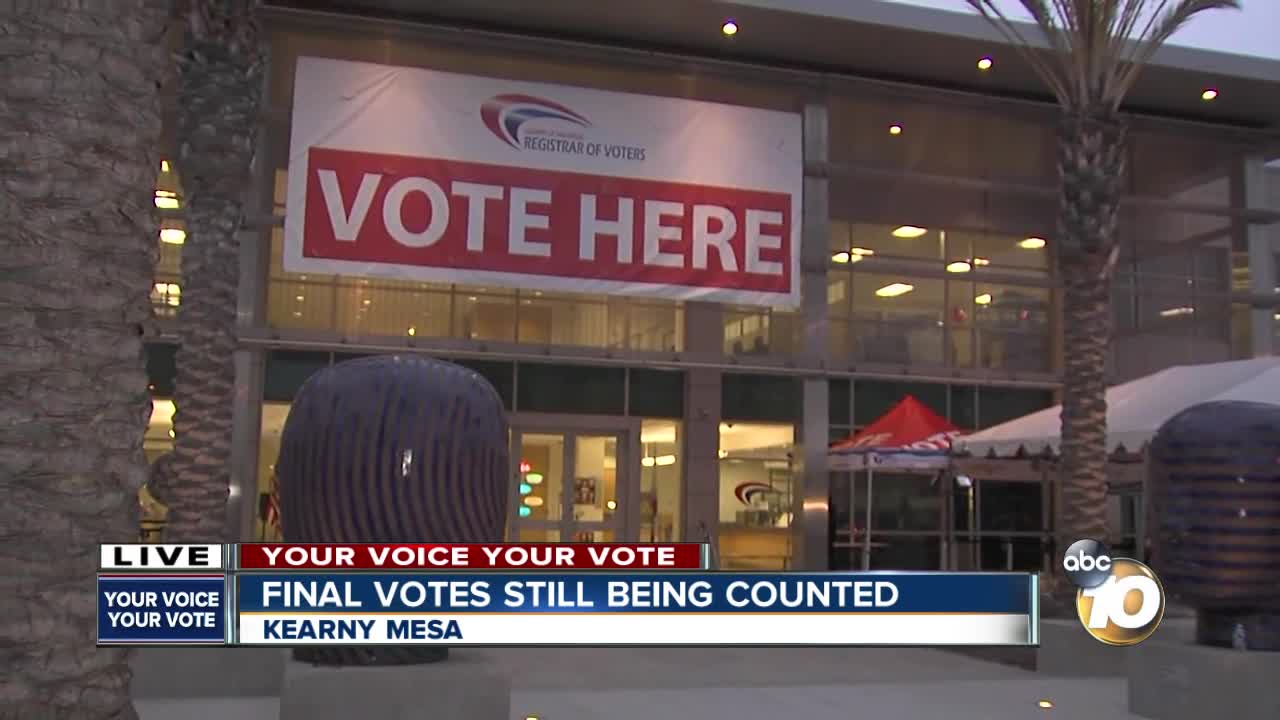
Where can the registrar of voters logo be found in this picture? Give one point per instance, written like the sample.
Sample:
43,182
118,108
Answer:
1120,601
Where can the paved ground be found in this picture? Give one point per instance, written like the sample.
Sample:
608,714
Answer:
754,684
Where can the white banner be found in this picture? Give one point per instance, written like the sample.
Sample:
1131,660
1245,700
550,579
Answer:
604,629
419,175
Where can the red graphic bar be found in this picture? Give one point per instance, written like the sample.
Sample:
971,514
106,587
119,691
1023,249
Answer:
507,556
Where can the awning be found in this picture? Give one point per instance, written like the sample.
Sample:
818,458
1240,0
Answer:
908,437
1136,409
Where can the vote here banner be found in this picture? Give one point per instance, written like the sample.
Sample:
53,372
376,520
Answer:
612,609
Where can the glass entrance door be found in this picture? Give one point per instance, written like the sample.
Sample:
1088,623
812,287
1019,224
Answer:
573,486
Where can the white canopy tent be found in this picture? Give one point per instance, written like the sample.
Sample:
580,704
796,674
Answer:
1136,409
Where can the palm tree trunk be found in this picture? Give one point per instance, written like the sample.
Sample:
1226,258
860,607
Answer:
1091,163
79,155
219,94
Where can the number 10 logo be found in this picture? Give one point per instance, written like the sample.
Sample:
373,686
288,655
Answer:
1120,600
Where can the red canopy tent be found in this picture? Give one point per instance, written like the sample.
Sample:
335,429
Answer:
908,438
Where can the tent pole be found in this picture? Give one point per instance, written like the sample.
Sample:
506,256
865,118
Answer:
866,532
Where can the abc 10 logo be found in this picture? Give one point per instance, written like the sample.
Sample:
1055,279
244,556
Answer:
1120,601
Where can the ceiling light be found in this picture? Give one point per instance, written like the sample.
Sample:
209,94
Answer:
646,462
840,257
959,266
1045,704
983,299
894,290
166,200
895,129
300,298
1032,243
533,478
366,302
909,231
164,166
725,453
173,236
172,434
533,501
861,251
985,63
729,28
611,504
981,261
664,460
1209,94
1176,311
412,331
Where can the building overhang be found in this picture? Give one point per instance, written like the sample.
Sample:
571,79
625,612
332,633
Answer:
877,40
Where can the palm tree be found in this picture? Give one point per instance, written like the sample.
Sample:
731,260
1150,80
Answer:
80,129
219,93
1096,49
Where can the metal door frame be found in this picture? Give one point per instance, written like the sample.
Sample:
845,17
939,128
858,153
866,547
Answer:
626,523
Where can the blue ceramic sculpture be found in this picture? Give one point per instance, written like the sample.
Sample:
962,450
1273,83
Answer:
1215,482
393,449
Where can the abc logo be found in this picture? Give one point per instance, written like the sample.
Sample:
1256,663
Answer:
1119,601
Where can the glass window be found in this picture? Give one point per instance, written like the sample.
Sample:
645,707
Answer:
750,331
759,397
162,368
897,320
839,395
1012,327
874,398
756,470
501,375
655,393
1026,251
1001,404
287,370
1242,331
274,415
905,240
159,436
661,481
570,389
964,407
651,326
904,502
562,319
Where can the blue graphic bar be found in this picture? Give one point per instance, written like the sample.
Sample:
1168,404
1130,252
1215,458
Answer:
872,592
162,609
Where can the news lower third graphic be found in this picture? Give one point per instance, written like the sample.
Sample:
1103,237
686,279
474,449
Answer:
1120,601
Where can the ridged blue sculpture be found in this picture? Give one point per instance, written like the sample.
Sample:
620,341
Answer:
393,449
1215,482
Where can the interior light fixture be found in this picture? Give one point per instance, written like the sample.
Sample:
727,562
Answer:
1045,704
166,200
895,129
525,512
172,434
959,266
861,252
533,501
173,236
894,290
1209,94
909,231
300,298
366,302
664,460
412,331
983,299
840,257
164,166
725,453
1031,243
729,28
533,478
611,504
646,462
981,261
1176,311
526,489
985,63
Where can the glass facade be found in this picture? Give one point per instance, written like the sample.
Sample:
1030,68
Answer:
941,275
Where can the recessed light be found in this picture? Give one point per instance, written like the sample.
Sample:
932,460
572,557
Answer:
909,231
985,63
895,129
1045,704
611,504
1209,94
894,290
959,266
981,261
164,166
860,252
1032,243
983,299
1176,311
413,331
840,257
729,28
300,298
173,236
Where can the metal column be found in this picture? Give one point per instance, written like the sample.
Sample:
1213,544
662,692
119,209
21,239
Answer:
812,532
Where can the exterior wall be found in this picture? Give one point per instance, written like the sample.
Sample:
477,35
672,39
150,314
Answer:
980,346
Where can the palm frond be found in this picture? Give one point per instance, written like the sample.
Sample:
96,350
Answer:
1097,51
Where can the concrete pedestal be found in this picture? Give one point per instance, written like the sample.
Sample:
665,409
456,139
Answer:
1174,679
465,687
1067,650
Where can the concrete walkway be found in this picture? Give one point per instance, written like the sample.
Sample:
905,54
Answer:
754,684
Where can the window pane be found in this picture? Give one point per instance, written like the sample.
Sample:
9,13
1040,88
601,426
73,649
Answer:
759,332
1001,404
756,470
838,397
905,502
162,368
873,398
570,389
896,241
499,374
1012,327
652,326
759,397
561,319
487,315
1008,251
274,415
656,393
287,370
964,411
898,320
661,483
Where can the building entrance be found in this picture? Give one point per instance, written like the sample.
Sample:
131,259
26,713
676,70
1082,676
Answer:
575,480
